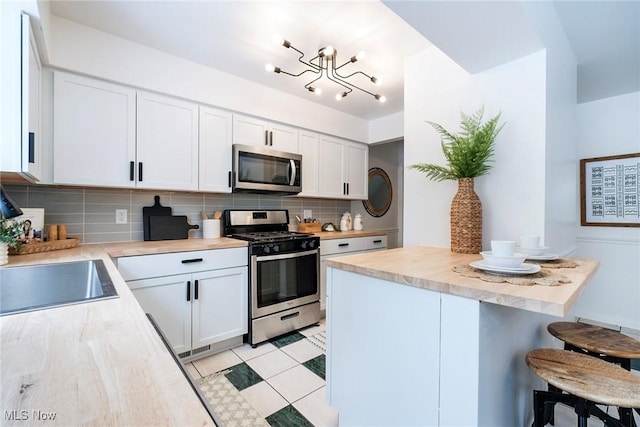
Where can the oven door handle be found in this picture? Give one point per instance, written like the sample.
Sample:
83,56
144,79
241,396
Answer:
284,256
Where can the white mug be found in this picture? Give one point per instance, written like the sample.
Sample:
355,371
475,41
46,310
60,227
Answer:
530,241
210,228
503,247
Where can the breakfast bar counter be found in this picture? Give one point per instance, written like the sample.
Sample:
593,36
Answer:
414,339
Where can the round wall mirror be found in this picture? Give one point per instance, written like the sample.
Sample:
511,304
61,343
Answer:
380,193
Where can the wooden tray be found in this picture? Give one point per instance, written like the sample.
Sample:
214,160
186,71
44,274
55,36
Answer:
309,227
37,247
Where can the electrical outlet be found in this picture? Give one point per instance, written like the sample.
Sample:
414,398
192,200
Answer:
121,216
307,213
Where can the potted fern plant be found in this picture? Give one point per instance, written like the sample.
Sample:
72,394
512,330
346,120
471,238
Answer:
468,154
10,233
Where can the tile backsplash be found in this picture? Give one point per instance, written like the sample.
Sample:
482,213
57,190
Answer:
90,213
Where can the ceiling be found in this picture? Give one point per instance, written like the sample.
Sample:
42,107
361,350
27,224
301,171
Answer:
240,37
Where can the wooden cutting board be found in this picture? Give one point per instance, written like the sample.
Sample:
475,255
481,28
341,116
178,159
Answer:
155,210
169,227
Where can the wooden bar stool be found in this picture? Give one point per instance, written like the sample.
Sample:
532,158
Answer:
597,341
583,381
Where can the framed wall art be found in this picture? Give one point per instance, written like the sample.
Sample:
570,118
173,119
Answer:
610,191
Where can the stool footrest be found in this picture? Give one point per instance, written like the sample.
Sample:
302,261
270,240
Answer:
544,401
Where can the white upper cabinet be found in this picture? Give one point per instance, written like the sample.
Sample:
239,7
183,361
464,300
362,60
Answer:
356,170
308,148
330,167
94,132
343,168
254,131
31,98
167,143
215,150
104,136
20,133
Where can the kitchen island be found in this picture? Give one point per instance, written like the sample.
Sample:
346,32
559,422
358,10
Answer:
413,342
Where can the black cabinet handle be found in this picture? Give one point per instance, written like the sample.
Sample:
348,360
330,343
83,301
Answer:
230,173
271,138
377,241
132,170
344,188
192,260
188,290
342,245
32,147
289,316
140,172
266,137
196,290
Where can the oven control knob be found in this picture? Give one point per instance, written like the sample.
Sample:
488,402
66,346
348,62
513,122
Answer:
303,245
267,249
276,248
312,244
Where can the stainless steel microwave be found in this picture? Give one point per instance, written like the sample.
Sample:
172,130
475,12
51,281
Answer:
263,170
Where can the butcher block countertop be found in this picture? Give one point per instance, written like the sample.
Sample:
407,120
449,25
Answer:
330,235
97,363
432,268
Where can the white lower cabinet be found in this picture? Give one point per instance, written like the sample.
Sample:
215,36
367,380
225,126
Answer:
197,309
347,246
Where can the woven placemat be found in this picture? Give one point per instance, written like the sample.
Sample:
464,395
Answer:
557,263
543,277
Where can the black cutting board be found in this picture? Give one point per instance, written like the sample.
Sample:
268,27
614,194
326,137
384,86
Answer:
169,227
155,210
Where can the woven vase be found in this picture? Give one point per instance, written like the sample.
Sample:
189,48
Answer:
466,219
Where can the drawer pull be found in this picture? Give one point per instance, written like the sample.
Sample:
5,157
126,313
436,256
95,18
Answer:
290,316
189,291
342,245
377,241
192,260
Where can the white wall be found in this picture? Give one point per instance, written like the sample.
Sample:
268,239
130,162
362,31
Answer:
610,127
386,128
437,89
81,49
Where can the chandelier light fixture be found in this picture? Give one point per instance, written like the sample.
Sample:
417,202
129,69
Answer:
324,65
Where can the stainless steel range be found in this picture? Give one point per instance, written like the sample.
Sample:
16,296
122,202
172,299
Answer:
284,271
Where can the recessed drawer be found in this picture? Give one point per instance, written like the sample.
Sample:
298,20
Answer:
338,246
146,266
376,242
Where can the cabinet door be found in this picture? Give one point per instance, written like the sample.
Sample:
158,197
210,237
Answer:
94,132
220,308
308,147
330,164
357,170
283,138
167,143
31,134
250,131
215,150
168,300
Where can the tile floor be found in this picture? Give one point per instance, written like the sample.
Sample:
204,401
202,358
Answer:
283,379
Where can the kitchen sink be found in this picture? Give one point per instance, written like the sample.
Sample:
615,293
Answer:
36,287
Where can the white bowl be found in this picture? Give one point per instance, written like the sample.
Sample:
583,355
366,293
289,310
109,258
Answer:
533,251
513,261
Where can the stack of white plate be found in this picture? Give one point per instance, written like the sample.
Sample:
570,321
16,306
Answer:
505,264
537,254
